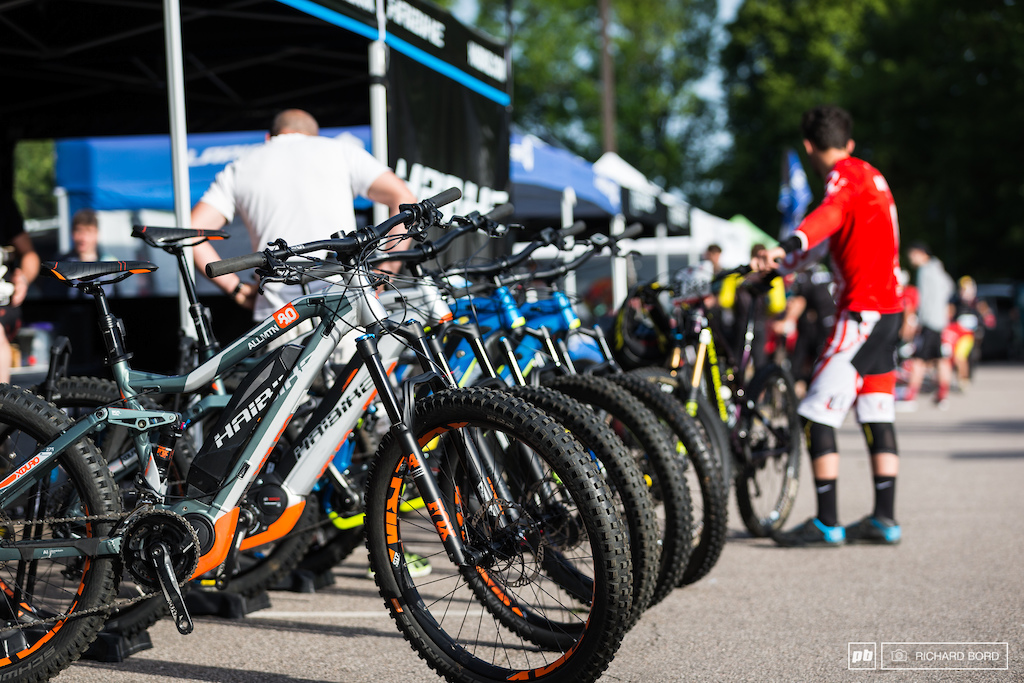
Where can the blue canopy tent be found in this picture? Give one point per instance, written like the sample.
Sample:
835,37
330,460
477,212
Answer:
540,173
133,172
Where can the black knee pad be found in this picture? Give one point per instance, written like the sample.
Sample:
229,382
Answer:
821,439
881,437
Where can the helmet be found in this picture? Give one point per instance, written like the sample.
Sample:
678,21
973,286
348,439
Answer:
693,282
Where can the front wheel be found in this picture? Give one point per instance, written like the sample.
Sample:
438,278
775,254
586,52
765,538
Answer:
769,474
37,639
555,564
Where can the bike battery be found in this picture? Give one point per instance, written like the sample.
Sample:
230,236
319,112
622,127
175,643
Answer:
248,405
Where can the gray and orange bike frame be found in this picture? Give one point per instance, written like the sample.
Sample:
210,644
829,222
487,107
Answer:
339,308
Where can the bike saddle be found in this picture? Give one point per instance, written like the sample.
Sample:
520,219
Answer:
85,271
162,236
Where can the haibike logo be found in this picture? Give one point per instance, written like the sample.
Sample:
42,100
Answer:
253,343
350,398
249,413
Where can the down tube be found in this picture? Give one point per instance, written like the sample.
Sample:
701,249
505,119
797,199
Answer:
328,430
317,352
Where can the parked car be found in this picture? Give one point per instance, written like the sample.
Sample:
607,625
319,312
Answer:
1006,339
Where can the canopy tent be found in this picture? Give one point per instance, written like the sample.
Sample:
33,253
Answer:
101,67
540,173
133,171
643,201
98,67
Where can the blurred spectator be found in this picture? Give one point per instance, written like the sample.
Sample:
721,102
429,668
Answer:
935,291
971,316
810,315
20,267
714,254
85,236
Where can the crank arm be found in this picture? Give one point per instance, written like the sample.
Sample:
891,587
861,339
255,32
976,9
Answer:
160,557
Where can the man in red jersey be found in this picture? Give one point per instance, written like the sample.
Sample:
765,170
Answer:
857,368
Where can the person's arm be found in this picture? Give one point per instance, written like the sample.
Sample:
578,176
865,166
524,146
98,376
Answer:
391,190
27,270
817,227
205,217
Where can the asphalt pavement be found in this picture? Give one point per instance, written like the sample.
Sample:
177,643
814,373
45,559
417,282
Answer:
763,613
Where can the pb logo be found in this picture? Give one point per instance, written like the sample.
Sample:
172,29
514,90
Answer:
861,656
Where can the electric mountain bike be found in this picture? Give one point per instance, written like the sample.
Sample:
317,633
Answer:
63,529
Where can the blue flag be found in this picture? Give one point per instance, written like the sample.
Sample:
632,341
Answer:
794,194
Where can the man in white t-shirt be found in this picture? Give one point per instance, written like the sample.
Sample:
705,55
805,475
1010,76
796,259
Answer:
299,186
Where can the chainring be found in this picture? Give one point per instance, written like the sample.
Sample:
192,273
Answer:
159,525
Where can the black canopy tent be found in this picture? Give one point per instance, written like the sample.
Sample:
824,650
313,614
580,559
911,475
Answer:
98,67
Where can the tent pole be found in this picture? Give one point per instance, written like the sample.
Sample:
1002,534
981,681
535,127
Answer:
620,278
660,233
568,204
179,142
379,101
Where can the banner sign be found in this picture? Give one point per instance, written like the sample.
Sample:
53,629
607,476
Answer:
442,135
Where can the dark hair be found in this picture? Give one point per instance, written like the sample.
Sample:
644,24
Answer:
827,126
921,246
84,217
714,249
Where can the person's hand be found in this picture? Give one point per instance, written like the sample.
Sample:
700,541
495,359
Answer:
20,283
246,296
767,259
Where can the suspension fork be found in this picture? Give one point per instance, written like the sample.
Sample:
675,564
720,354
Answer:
424,478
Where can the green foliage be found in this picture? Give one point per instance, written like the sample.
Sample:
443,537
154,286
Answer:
935,88
34,178
782,58
660,49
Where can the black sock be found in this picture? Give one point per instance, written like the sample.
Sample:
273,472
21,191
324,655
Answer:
826,489
885,497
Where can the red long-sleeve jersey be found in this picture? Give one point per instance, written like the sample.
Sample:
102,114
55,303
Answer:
859,215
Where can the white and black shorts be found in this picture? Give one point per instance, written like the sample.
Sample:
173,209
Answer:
856,369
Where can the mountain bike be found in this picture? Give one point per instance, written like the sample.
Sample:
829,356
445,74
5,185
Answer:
749,415
64,531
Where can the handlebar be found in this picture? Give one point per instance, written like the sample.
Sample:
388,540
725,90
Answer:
425,210
547,236
429,250
599,242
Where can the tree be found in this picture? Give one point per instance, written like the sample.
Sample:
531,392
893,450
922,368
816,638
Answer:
34,178
934,87
660,51
782,58
938,93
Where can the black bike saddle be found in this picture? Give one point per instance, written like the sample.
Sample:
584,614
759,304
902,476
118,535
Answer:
68,271
161,236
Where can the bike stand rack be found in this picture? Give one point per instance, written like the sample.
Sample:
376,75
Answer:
304,581
203,603
111,646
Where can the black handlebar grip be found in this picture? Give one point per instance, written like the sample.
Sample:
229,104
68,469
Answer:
445,197
630,232
235,264
500,213
577,228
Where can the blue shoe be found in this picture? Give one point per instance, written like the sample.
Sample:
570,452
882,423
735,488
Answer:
876,530
811,534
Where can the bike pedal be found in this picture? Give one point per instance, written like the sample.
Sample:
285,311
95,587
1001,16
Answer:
160,556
